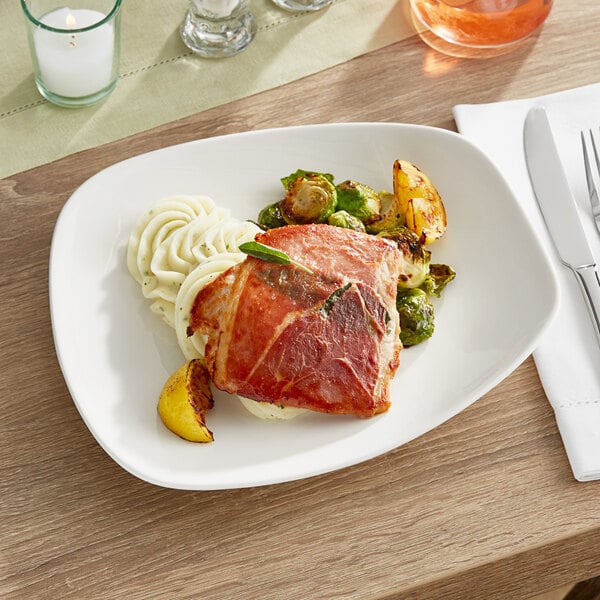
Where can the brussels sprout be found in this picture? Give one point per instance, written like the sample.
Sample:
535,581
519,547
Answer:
359,200
415,263
416,316
391,215
437,279
310,199
341,218
270,216
289,181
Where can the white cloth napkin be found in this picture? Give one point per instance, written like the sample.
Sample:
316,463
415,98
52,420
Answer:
568,355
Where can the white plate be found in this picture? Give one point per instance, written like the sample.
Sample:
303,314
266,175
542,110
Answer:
115,354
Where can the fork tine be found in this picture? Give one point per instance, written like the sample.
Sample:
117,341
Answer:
588,166
595,150
591,183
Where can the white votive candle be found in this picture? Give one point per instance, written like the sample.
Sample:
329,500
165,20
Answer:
74,64
214,9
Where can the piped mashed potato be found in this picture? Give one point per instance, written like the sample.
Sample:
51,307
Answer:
179,246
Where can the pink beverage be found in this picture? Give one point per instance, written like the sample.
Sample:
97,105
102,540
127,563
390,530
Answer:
482,23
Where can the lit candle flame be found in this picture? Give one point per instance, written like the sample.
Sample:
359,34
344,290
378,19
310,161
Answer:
71,21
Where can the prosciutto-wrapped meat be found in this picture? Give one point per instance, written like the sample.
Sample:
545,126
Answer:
326,341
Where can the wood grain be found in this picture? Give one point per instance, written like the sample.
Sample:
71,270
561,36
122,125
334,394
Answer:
484,506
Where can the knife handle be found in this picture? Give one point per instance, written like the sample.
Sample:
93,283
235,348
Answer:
589,282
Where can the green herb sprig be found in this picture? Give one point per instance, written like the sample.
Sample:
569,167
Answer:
264,252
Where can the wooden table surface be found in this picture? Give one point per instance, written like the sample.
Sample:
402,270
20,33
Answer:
484,506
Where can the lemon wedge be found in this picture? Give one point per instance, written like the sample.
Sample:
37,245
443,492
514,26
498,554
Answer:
184,400
419,201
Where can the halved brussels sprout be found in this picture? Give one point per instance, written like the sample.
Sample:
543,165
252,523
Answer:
270,216
311,198
289,181
390,214
341,218
416,316
359,200
415,263
419,201
437,279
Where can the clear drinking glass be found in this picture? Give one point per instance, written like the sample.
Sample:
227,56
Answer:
216,28
301,5
482,23
75,50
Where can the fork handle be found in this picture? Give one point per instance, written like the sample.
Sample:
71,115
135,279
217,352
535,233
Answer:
589,282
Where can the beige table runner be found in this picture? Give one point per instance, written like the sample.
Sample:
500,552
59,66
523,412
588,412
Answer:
161,80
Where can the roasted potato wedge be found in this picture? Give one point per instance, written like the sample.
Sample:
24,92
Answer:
419,201
184,400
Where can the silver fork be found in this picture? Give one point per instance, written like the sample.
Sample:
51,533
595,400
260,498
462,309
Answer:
590,149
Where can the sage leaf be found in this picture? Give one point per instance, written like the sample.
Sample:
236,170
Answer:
270,254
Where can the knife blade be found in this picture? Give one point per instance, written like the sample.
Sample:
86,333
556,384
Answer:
559,208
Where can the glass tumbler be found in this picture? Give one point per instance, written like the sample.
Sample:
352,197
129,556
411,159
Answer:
75,50
217,28
481,23
302,5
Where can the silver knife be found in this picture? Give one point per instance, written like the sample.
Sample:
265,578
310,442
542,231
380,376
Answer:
559,209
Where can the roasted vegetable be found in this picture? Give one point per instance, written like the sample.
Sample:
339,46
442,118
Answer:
289,181
415,264
437,279
359,200
391,215
270,216
416,316
311,198
419,201
341,218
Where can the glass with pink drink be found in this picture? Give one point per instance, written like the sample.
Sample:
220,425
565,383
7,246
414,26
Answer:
482,23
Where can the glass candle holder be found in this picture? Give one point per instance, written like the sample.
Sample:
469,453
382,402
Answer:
302,5
75,49
217,28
